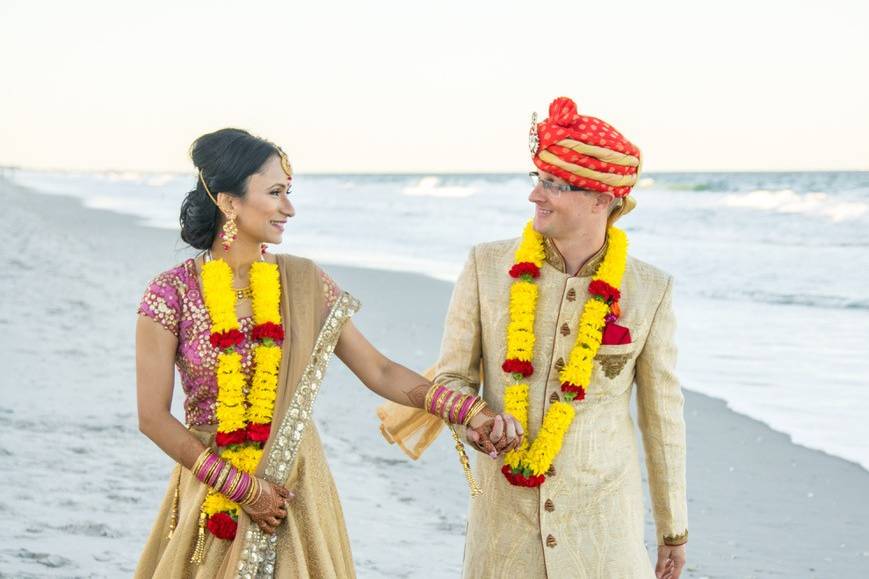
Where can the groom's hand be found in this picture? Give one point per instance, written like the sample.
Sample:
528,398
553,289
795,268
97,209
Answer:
671,561
494,434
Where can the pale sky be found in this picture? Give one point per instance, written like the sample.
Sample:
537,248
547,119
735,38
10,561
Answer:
446,86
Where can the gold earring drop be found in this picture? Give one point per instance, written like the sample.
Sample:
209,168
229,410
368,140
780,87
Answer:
229,233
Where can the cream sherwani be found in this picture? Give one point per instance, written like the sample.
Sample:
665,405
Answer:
586,520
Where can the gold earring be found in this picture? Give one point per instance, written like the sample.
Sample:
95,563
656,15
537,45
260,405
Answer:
229,232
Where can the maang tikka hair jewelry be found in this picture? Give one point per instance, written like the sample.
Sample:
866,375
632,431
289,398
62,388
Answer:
533,137
229,233
285,164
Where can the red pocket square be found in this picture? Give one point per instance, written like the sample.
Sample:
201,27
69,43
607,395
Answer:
615,335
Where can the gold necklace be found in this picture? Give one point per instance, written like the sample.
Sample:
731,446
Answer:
240,293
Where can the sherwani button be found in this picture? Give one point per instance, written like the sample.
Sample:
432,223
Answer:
551,542
549,505
551,471
565,329
571,295
553,398
559,364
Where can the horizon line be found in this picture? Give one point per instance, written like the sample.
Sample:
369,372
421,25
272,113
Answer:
4,168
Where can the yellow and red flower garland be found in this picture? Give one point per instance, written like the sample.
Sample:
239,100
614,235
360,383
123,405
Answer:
526,465
243,422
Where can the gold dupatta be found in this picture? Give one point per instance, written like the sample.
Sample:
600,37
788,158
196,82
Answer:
308,345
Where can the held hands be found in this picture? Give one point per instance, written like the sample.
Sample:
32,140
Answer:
270,508
494,434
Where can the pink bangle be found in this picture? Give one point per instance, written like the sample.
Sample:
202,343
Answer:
457,407
230,484
435,398
242,488
215,474
448,405
207,464
465,407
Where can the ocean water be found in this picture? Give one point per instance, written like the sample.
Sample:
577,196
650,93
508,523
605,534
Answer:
772,269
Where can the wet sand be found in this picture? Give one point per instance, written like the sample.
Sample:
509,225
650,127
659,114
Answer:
82,484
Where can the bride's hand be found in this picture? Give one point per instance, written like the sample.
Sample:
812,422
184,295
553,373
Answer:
270,508
494,434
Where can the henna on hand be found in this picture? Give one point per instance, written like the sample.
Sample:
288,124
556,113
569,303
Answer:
417,395
270,508
484,441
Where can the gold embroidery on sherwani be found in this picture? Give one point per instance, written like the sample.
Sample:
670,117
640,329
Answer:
556,260
258,549
613,364
676,540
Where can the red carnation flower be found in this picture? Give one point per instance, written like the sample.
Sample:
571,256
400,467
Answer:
235,437
514,366
222,526
520,480
258,432
269,330
578,390
524,268
227,339
603,289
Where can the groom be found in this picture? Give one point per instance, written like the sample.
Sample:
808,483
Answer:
563,323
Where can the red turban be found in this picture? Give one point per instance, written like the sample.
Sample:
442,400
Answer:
584,151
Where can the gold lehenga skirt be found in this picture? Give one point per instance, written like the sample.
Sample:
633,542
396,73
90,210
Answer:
311,542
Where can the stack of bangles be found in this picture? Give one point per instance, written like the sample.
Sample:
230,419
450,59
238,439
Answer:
452,406
236,485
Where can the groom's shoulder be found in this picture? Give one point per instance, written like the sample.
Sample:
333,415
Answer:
645,278
646,271
495,253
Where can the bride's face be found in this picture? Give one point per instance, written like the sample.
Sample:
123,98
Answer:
262,213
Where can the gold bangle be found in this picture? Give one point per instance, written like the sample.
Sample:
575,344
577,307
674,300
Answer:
234,483
246,499
457,407
212,469
448,405
454,402
439,401
259,491
221,478
428,396
200,459
477,407
256,493
442,405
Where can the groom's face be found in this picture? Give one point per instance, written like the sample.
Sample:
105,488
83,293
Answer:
558,214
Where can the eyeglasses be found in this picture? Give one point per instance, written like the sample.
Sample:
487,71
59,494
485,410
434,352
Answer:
555,189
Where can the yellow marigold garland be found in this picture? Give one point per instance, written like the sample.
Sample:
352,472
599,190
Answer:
230,412
548,441
243,419
516,404
523,301
267,360
527,465
219,296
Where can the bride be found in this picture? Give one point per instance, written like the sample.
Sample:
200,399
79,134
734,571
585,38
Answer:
251,333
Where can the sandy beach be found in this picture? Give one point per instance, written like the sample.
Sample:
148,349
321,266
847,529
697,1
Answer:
83,484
